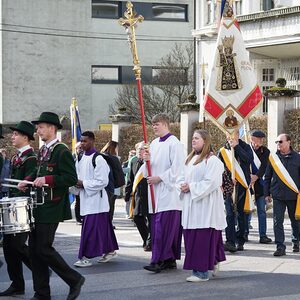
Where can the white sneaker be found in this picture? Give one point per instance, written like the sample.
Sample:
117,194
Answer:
82,263
194,278
107,257
216,270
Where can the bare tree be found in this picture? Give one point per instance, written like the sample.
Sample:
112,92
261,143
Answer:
172,82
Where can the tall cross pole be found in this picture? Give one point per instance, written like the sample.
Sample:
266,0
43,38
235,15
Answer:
129,22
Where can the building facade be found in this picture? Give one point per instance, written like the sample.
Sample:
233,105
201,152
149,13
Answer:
271,31
52,51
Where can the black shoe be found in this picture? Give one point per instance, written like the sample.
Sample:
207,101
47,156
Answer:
12,291
75,290
279,252
147,248
168,264
229,247
265,240
240,247
295,248
153,268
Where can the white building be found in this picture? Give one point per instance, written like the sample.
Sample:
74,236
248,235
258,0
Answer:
271,31
54,50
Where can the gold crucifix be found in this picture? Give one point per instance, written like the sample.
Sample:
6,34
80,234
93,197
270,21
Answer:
129,22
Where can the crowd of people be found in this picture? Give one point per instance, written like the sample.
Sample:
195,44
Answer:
194,197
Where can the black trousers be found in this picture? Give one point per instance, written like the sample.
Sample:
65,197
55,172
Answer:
43,255
77,209
111,199
16,252
143,225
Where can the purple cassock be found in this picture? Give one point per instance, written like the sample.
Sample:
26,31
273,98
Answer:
97,236
166,235
203,249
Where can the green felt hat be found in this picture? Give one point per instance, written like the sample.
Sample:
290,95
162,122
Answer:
50,118
26,128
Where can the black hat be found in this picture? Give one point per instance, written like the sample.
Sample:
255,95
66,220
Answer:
26,128
257,133
1,136
50,118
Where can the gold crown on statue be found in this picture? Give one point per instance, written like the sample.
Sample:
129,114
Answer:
228,41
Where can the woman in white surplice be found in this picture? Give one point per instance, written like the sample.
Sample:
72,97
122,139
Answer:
203,215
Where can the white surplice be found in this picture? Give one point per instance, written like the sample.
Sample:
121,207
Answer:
93,197
203,206
167,162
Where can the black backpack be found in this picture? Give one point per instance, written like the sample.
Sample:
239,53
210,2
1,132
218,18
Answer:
116,176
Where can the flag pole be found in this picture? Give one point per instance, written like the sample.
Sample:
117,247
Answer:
129,22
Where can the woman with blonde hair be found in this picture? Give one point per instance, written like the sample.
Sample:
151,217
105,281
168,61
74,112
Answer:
203,215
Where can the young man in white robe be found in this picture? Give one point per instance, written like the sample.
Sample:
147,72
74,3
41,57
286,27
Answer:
166,157
97,236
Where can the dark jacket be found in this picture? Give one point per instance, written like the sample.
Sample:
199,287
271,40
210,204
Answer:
141,195
23,168
60,173
243,154
263,155
274,186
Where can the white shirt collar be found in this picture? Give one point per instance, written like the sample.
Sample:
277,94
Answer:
23,149
51,143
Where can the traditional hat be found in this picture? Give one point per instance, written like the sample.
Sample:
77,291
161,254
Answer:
26,128
50,118
1,136
257,133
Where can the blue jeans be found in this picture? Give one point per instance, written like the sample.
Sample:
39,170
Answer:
262,216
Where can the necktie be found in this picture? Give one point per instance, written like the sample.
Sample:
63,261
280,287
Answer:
44,151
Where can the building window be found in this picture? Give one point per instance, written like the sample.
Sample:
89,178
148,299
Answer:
267,4
267,75
169,12
105,74
105,9
238,7
295,73
169,76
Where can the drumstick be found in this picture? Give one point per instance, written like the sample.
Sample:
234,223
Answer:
24,181
9,185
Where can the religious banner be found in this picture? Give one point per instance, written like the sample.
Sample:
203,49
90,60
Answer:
232,94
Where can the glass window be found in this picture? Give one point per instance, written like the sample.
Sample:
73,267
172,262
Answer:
268,75
101,74
267,4
295,73
102,9
170,76
167,11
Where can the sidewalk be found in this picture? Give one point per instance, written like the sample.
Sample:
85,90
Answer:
252,274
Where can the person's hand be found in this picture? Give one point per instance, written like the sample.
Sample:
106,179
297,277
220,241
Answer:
185,188
153,180
268,199
22,186
39,182
79,184
253,178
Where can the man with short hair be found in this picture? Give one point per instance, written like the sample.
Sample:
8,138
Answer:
259,165
56,168
23,167
282,183
167,163
97,234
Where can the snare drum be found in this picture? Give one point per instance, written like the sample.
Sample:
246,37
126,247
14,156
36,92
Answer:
15,215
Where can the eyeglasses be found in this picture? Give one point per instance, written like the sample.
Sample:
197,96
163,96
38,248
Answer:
279,142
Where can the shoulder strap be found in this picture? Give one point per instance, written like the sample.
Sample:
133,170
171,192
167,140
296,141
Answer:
94,158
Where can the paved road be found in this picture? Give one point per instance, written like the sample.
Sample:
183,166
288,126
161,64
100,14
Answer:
252,274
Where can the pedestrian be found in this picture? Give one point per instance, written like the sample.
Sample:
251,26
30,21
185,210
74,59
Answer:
111,148
235,239
282,183
167,161
23,167
97,235
258,168
138,197
56,168
203,214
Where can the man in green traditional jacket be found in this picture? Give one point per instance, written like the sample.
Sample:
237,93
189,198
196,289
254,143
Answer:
23,167
56,169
